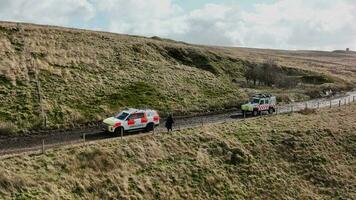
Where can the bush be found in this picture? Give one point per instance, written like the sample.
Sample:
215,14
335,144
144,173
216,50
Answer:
269,74
7,128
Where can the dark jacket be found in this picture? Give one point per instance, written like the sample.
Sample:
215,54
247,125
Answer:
169,122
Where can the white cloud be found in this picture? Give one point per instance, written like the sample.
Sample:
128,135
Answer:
302,24
52,12
144,17
287,24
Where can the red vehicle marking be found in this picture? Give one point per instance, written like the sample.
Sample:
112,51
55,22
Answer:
131,122
263,107
144,120
117,124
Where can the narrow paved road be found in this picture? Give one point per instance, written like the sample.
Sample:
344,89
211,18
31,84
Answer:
34,143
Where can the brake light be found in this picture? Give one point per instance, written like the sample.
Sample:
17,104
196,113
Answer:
155,118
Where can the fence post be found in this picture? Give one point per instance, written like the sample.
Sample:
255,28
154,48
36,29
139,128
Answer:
153,130
353,98
292,109
339,103
122,133
244,112
43,147
84,138
306,105
318,104
202,122
277,110
330,103
46,120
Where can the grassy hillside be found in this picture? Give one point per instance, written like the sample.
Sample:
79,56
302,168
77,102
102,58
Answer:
78,76
296,156
340,64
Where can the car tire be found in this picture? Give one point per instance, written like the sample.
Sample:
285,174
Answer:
118,130
270,110
150,127
255,112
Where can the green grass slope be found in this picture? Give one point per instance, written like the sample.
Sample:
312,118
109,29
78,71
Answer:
297,156
84,76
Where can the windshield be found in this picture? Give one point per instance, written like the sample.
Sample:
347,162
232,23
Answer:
121,116
255,101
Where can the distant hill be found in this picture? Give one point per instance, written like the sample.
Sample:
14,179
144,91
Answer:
344,51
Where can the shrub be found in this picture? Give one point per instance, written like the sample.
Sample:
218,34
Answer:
7,128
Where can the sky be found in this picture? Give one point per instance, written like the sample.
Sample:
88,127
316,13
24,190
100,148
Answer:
275,24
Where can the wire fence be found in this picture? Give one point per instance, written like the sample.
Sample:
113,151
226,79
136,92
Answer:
316,104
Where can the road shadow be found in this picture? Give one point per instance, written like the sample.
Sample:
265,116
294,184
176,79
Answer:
98,136
106,135
237,116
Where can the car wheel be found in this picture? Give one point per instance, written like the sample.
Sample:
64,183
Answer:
270,110
254,112
150,127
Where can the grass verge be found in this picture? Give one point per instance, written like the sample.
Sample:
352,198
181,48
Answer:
292,156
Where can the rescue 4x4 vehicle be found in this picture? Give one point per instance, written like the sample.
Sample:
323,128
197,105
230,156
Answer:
131,120
260,103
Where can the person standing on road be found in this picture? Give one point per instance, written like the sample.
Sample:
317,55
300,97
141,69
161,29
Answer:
169,123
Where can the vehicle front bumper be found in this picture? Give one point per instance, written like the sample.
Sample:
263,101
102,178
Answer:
246,108
107,128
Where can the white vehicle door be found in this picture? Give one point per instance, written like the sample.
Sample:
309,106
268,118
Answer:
141,120
262,105
136,121
131,122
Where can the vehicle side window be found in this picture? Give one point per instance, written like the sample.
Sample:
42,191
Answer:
262,101
267,101
140,115
132,116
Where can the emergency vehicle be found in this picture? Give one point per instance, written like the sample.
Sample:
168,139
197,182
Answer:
131,120
260,103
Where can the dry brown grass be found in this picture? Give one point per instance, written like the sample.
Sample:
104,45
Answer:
78,69
308,111
338,64
274,157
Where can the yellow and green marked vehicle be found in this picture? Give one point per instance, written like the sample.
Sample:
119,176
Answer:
260,103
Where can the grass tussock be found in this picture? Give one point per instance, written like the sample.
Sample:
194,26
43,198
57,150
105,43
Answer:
308,111
278,157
